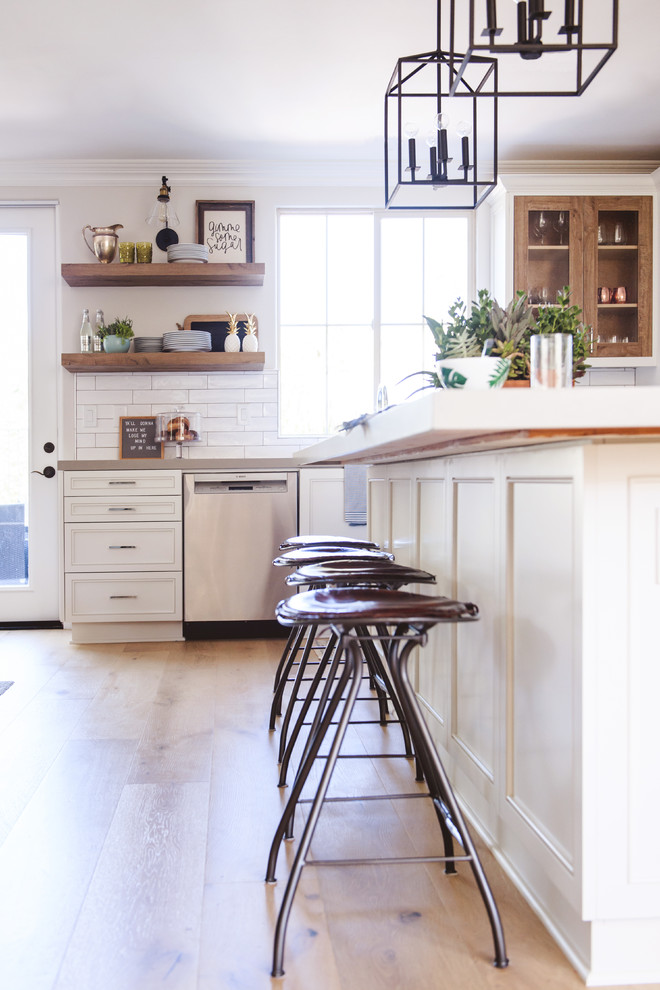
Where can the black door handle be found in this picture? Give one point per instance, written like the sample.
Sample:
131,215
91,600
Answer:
48,472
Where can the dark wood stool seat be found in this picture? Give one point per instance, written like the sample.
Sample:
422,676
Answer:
405,619
352,573
327,541
349,572
301,556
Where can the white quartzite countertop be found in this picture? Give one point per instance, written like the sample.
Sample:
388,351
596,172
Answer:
443,422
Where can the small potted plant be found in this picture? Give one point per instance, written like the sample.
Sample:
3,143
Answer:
117,335
464,343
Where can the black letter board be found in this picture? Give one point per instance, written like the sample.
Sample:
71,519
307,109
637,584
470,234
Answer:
137,437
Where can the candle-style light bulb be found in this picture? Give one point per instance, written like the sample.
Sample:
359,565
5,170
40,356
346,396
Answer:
464,129
491,30
410,129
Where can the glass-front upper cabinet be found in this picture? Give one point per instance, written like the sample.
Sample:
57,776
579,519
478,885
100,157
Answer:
601,247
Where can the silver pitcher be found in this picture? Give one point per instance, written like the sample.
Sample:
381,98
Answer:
105,241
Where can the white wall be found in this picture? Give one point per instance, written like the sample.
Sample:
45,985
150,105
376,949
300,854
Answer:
101,201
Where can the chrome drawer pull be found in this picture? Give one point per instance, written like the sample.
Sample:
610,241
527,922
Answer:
123,596
125,546
122,482
122,508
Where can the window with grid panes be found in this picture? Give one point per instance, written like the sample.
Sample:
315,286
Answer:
354,287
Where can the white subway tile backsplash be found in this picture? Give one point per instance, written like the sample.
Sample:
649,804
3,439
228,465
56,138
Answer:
85,383
119,397
239,412
166,397
113,382
222,409
236,379
218,395
266,423
263,395
179,381
228,425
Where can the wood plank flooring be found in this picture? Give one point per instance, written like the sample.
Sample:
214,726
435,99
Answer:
138,799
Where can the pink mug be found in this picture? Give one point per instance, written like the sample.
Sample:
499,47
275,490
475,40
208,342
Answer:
619,295
604,295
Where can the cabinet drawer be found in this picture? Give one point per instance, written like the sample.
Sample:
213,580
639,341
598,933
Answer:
122,482
120,509
125,597
111,547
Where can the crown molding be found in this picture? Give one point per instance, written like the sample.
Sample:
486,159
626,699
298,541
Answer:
247,173
182,172
571,167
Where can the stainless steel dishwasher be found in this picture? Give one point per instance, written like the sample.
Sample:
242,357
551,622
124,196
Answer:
233,524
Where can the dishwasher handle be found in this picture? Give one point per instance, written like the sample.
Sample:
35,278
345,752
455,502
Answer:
264,486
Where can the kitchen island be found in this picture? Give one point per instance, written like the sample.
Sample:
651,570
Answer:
544,508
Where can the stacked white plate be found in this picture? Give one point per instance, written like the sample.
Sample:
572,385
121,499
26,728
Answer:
187,340
148,344
188,252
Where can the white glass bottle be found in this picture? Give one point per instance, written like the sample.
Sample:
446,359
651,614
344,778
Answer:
99,324
85,333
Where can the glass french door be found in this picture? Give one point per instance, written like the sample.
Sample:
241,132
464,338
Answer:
29,545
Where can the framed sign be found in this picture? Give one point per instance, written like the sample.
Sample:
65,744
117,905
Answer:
227,229
218,327
137,438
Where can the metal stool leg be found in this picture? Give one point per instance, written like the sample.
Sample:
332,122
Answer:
306,705
302,667
438,781
276,706
352,671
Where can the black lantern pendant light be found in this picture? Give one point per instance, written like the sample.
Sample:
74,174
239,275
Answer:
564,43
440,137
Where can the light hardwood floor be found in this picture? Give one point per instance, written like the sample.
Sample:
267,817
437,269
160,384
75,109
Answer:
138,798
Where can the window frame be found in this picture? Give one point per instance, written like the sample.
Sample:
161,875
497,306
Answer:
378,215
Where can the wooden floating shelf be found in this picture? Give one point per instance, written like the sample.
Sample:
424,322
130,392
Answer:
611,307
175,273
548,247
163,361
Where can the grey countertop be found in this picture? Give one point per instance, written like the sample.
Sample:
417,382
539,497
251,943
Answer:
183,464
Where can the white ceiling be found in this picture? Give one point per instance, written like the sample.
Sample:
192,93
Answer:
276,80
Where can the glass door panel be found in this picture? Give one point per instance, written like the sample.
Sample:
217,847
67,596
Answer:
29,567
548,270
618,289
14,494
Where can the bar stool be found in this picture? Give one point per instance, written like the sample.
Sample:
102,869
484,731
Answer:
303,634
352,573
407,619
327,541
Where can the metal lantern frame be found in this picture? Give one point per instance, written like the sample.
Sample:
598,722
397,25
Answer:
529,44
431,76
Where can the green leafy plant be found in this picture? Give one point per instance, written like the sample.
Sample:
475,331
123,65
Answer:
487,327
511,329
564,318
118,328
463,334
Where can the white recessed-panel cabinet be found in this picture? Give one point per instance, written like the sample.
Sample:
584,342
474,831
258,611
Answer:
123,555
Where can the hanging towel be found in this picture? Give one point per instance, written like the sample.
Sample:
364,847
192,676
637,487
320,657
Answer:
355,494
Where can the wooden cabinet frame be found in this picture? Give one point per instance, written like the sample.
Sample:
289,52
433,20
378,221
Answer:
590,262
